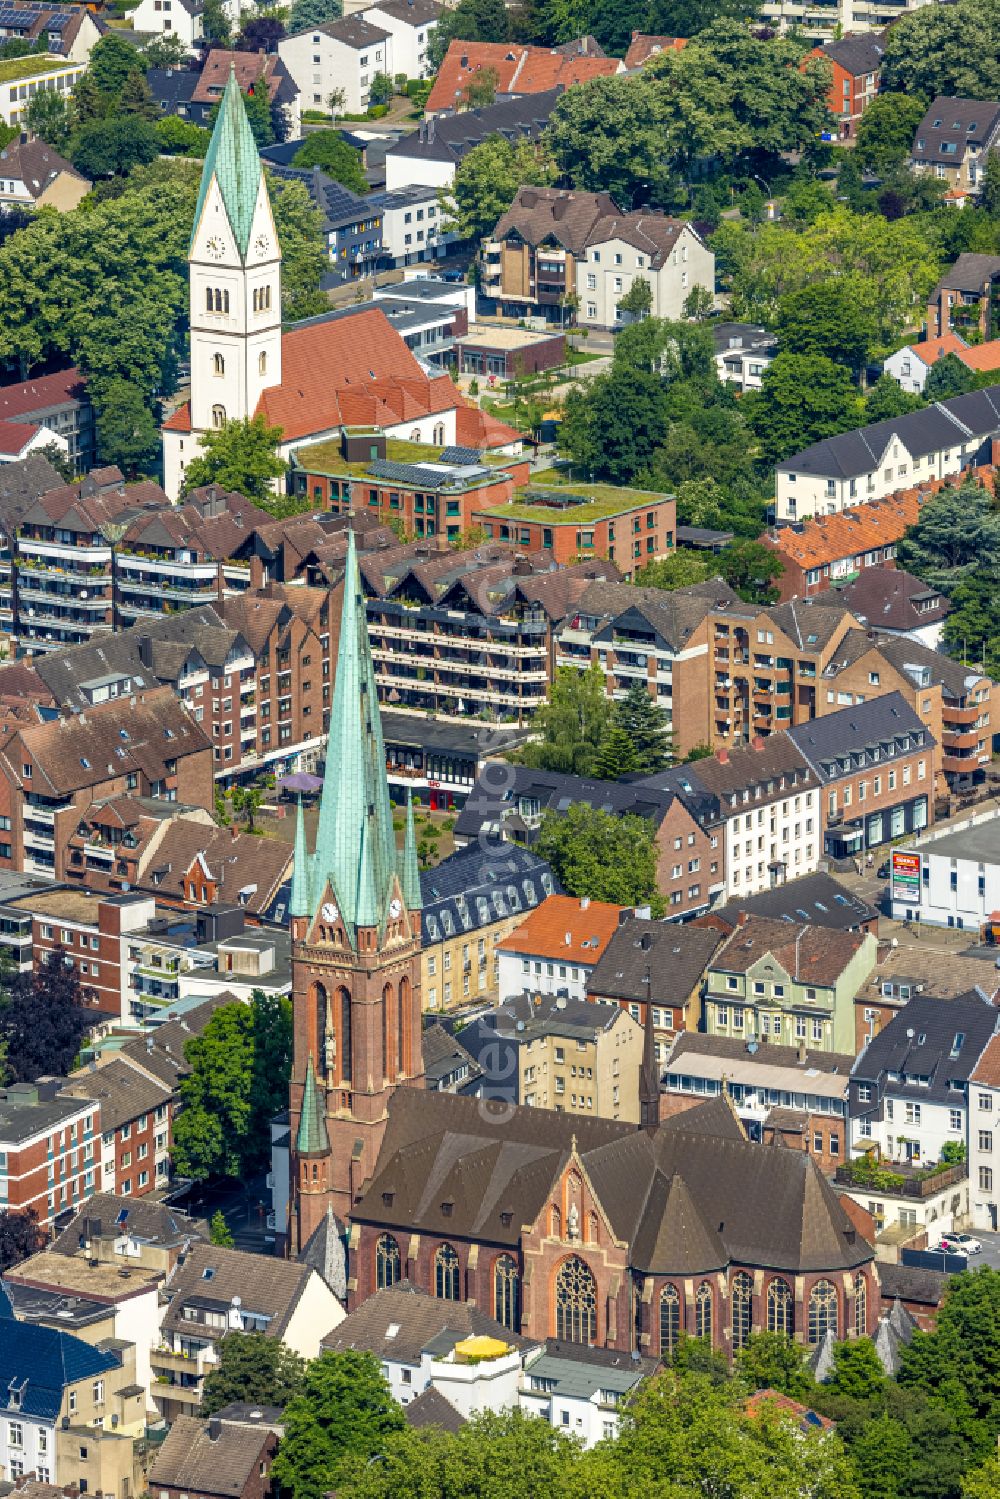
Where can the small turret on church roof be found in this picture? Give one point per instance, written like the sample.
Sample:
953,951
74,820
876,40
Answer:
233,161
298,904
355,844
409,869
313,1137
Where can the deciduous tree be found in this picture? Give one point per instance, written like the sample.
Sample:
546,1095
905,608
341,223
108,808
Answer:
242,456
254,1369
606,857
21,1236
44,1017
343,1411
307,14
612,428
803,397
127,433
957,529
679,570
750,568
884,135
950,50
486,182
115,146
572,722
328,150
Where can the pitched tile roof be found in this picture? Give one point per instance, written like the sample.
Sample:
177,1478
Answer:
44,1361
35,164
248,67
204,1457
265,1285
397,1323
589,925
413,12
644,46
930,350
984,356
577,220
450,137
942,1043
123,1093
431,1408
519,70
970,272
862,528
955,124
858,53
236,862
808,954
815,898
152,1222
987,1069
889,598
459,894
15,437
30,397
885,723
673,956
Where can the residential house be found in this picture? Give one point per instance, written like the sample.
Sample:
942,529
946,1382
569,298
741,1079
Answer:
893,602
216,1459
908,968
439,761
583,1390
343,54
121,1231
50,773
448,1067
24,77
910,1087
195,864
100,1302
953,140
53,1388
629,527
412,231
47,1149
743,351
471,902
136,1126
429,155
557,946
516,69
660,966
216,1291
875,767
18,440
249,68
70,31
553,246
826,551
508,803
873,462
58,403
34,175
910,365
351,227
984,1136
643,46
951,880
410,24
965,297
775,980
181,18
856,64
783,1095
817,899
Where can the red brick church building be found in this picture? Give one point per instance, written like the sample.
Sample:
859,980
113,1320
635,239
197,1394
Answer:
587,1230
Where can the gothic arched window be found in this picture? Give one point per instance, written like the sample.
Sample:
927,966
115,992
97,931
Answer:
439,433
576,1302
446,1273
345,1036
507,1292
218,364
386,1009
670,1320
742,1294
860,1306
387,1265
319,1000
403,1006
822,1311
780,1308
262,363
703,1312
415,435
218,416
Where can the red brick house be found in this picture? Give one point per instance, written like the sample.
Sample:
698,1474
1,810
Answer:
856,63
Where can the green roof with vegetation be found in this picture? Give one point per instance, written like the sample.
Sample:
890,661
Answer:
573,505
326,457
14,68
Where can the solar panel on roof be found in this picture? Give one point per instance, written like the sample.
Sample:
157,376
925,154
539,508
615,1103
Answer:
403,473
460,455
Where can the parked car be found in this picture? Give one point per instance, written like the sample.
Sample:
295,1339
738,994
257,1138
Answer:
960,1244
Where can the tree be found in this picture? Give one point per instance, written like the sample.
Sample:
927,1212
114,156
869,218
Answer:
469,21
585,135
486,182
164,50
803,398
21,1236
645,725
972,630
750,568
246,800
44,1018
127,434
884,135
304,257
239,1064
699,303
48,117
136,98
834,318
179,137
336,101
215,23
616,756
984,1482
572,722
612,427
241,456
951,50
638,300
254,1369
328,150
220,1233
88,102
260,34
481,89
305,15
857,1370
948,377
887,398
989,196
956,530
111,61
114,147
59,459
770,1361
343,1411
679,570
381,89
605,857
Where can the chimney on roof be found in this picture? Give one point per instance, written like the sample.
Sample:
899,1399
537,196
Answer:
742,917
757,742
584,902
214,1429
722,755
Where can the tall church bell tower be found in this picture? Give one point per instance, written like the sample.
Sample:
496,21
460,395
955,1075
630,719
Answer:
355,914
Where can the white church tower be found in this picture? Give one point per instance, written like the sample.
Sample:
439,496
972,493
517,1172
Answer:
235,290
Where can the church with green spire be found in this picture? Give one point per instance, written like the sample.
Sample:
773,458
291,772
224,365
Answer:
355,915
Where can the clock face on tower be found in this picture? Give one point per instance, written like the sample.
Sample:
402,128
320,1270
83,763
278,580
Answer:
329,911
395,909
215,247
262,244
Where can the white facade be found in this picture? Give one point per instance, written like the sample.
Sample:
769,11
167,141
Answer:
342,55
609,270
181,18
35,75
984,1150
410,38
519,973
403,170
317,1312
912,1130
798,495
907,368
786,830
942,1212
822,23
411,228
28,1445
42,437
959,879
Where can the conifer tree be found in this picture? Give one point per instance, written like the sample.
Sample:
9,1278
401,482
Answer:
616,756
644,723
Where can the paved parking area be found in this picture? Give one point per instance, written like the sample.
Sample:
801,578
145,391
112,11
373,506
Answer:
991,1250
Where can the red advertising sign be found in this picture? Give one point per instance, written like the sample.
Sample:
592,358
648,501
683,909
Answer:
905,876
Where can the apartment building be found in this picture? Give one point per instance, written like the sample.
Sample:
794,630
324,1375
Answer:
660,966
136,1126
471,902
954,702
410,24
909,968
554,248
48,1149
24,77
953,140
966,297
517,69
984,1137
70,31
52,772
889,601
628,527
874,763
856,64
873,462
823,22
87,930
466,633
555,949
119,1231
788,983
429,156
181,18
343,54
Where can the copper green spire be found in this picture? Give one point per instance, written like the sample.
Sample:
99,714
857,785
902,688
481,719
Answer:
298,905
234,161
409,870
355,844
312,1138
